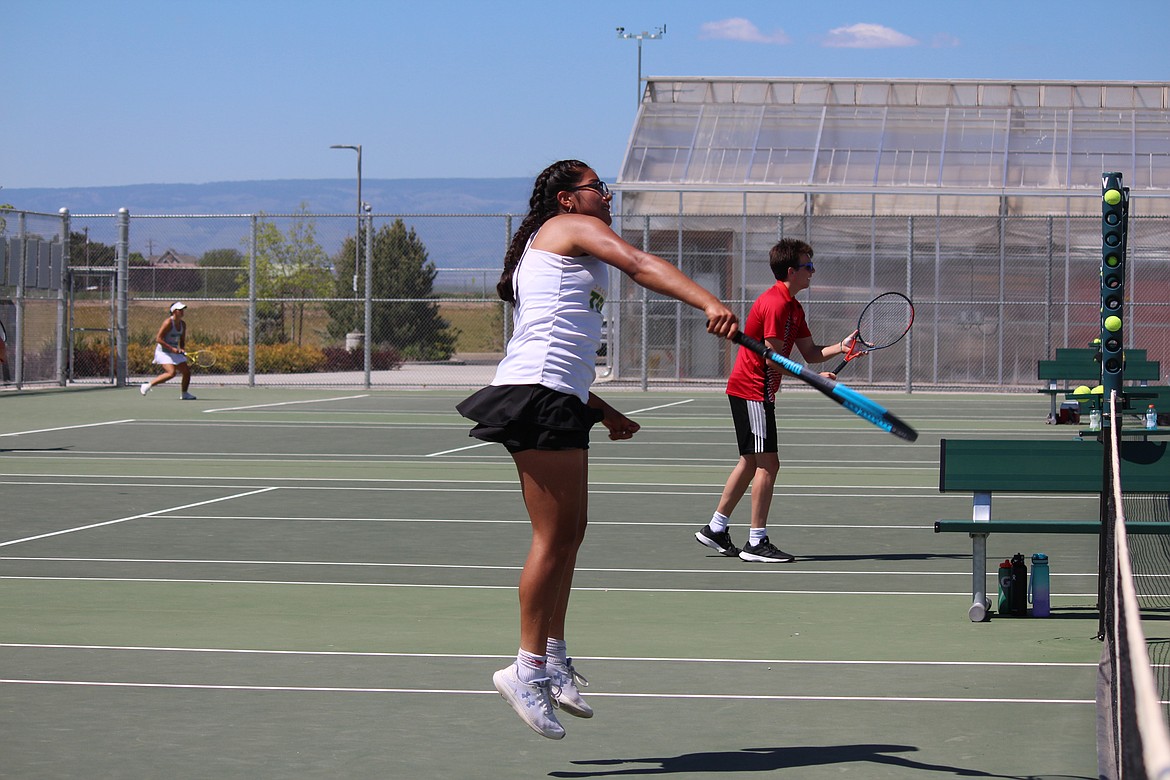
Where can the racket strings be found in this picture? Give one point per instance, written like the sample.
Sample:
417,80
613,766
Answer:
884,322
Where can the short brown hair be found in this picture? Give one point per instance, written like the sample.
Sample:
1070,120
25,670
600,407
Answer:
786,255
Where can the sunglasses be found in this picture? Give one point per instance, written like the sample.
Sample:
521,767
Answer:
599,187
809,266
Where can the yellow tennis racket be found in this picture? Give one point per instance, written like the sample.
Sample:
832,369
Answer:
202,358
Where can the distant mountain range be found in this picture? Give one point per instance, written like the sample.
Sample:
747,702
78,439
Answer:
284,196
452,243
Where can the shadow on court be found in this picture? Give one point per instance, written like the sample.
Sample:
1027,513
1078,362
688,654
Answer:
777,758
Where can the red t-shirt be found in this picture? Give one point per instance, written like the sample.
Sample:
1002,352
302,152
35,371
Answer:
775,315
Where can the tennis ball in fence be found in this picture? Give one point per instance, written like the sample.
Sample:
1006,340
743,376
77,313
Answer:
1082,390
1112,197
1113,323
1098,390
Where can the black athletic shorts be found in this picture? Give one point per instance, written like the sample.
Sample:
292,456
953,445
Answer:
755,425
529,417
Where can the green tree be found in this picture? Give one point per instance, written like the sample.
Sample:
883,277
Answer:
404,316
288,265
224,269
82,251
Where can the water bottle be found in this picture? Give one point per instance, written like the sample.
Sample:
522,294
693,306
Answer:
1041,588
1095,420
1018,600
1151,418
1005,587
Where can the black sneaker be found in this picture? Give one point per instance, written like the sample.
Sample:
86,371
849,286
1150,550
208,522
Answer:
765,552
719,542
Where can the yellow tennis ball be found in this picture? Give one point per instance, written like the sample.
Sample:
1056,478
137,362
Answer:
1082,390
1113,323
1112,197
1098,390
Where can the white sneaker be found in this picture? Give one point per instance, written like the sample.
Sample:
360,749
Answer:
186,397
144,388
531,702
564,688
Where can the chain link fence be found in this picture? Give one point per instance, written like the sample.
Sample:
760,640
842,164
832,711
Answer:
408,300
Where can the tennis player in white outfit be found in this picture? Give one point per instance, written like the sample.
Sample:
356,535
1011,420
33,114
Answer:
540,407
170,350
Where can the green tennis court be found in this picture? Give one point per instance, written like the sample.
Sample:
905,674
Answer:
319,584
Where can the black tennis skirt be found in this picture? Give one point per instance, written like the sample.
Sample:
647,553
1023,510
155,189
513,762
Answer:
527,417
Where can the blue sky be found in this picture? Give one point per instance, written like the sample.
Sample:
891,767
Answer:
163,91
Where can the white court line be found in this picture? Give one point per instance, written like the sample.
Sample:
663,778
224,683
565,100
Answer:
733,572
67,428
931,494
599,460
926,525
662,406
509,484
511,587
592,693
601,658
133,517
286,403
459,449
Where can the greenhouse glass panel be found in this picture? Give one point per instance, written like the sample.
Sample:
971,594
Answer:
786,145
1038,149
974,147
849,145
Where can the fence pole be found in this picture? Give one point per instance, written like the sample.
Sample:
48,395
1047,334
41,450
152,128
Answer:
21,265
368,326
122,284
910,295
645,313
59,281
252,304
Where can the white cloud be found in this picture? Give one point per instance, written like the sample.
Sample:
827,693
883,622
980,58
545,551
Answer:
944,41
867,36
737,29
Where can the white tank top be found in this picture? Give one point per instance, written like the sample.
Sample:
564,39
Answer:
175,334
557,322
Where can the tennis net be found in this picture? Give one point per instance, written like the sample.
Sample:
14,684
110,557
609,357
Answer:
1132,737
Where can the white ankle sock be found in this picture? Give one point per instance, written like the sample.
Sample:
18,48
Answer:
530,666
718,523
757,535
557,651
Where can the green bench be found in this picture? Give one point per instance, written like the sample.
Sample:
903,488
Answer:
1075,366
987,466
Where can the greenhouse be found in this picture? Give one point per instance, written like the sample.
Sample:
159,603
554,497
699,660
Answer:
981,200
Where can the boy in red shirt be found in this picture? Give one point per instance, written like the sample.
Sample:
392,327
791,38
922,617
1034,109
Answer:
777,319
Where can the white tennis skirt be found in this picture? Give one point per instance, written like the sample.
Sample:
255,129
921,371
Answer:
164,358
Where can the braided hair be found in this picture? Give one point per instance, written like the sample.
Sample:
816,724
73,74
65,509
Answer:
542,206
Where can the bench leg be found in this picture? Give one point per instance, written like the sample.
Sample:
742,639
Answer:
980,603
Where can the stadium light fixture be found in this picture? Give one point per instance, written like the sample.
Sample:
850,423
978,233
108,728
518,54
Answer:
658,33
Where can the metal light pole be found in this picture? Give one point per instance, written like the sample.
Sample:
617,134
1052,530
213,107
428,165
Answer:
639,37
357,244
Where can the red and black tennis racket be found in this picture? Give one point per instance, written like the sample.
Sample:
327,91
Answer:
883,323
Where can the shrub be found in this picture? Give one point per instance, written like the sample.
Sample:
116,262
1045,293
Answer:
92,359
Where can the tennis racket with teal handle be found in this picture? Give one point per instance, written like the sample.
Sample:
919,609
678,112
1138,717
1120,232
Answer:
851,399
